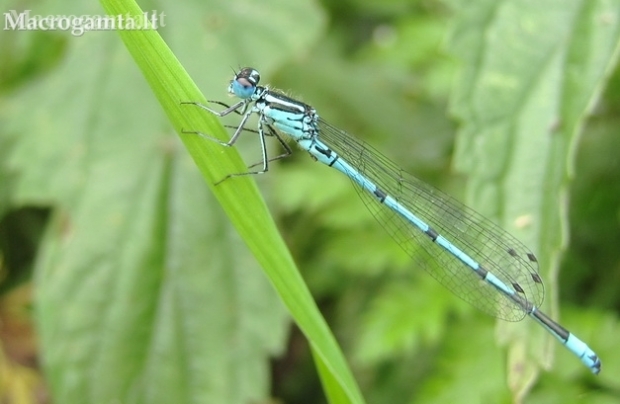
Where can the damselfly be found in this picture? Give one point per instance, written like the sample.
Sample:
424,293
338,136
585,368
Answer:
473,257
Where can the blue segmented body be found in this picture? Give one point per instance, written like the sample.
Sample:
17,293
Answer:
473,257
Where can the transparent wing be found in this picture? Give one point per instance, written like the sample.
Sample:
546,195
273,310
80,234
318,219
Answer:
492,247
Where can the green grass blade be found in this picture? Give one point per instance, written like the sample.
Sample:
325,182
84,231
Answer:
239,197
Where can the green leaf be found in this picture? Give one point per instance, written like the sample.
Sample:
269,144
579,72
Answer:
532,72
457,363
145,293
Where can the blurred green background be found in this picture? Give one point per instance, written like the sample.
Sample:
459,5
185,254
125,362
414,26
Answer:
119,271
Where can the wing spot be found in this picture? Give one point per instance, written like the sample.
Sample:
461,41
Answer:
536,278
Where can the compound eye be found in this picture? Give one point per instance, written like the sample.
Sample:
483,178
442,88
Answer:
249,75
244,84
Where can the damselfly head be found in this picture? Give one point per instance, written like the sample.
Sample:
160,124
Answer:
244,83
